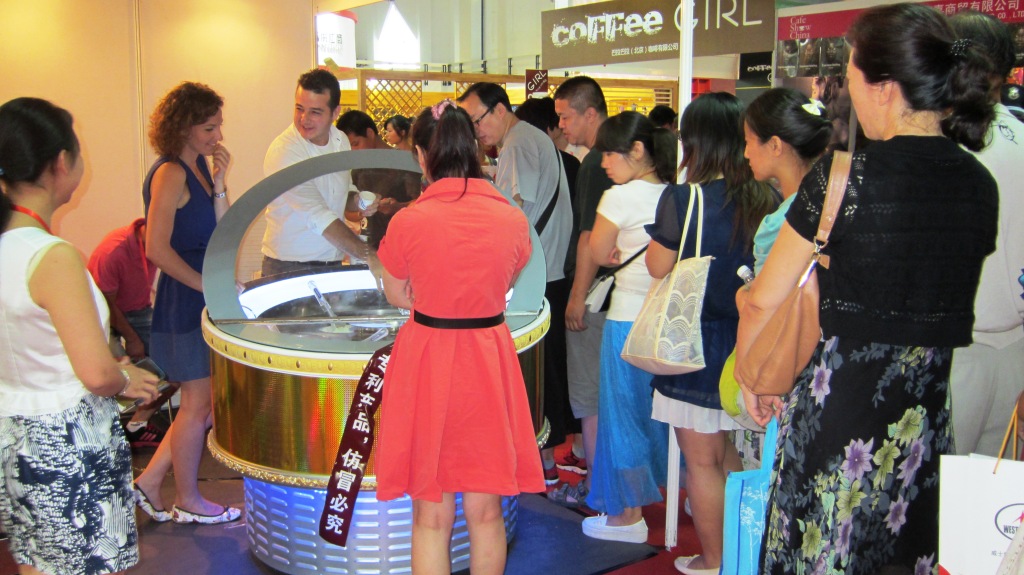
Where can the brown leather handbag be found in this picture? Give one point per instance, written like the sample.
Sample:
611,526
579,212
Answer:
785,345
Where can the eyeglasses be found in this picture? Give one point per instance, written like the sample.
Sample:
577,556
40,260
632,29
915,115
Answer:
477,121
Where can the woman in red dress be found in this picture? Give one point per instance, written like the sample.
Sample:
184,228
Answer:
453,386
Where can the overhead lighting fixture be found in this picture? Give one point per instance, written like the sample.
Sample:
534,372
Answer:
396,44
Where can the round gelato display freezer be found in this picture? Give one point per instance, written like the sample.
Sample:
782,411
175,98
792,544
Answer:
287,352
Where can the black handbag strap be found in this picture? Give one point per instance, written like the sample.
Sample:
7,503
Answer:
623,264
544,217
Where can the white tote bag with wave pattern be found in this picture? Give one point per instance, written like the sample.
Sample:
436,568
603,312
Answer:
665,338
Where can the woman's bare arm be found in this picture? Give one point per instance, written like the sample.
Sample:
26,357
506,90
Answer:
167,191
60,285
602,242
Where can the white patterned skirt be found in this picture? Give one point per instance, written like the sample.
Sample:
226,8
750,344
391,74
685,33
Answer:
66,490
689,416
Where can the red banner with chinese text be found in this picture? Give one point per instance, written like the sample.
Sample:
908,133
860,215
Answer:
356,444
835,24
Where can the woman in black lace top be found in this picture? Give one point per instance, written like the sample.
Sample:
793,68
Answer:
857,463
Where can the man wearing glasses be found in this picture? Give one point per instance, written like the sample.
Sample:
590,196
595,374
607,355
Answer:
530,172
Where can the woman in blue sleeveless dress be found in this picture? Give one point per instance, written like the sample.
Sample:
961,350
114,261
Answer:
184,200
734,204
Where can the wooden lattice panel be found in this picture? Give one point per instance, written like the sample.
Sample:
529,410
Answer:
663,97
384,93
387,98
461,87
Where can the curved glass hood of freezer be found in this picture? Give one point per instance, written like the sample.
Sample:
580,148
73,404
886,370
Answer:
334,309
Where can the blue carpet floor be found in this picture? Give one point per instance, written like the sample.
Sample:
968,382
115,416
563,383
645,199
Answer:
549,540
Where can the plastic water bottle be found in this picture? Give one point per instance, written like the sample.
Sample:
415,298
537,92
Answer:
746,274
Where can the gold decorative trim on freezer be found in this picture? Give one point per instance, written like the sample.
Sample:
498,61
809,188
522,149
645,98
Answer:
276,476
283,360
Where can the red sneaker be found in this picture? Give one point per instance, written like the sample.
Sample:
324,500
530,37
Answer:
569,462
551,476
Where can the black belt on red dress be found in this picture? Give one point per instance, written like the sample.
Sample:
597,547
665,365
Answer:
457,323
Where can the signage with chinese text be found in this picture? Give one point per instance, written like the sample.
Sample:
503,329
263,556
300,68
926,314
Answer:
336,39
834,24
814,44
640,30
353,452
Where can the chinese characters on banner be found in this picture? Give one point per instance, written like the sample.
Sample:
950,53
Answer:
354,451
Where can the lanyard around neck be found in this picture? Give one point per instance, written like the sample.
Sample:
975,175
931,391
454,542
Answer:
32,214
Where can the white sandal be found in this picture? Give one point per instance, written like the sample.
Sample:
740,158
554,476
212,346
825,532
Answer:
182,516
143,502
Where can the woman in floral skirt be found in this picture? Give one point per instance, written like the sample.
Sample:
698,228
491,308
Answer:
857,465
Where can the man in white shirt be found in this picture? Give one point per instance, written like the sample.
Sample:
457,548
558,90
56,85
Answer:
304,225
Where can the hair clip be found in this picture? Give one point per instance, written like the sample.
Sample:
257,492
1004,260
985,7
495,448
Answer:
813,107
437,109
959,47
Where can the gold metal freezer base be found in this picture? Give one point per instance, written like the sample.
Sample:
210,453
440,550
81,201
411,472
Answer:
278,413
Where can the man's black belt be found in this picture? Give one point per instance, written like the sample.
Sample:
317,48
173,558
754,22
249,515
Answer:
315,263
458,323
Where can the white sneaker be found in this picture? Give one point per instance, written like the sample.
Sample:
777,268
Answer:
682,564
598,528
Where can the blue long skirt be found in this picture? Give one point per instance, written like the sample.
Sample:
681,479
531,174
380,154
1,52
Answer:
632,449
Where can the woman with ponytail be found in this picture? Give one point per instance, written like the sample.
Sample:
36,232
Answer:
630,458
453,386
65,466
785,134
860,435
734,204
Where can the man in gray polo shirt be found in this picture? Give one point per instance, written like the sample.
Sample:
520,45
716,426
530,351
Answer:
530,173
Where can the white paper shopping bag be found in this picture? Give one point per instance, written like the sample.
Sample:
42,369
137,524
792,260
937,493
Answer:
979,512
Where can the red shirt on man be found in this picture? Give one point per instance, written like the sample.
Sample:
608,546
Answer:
119,265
